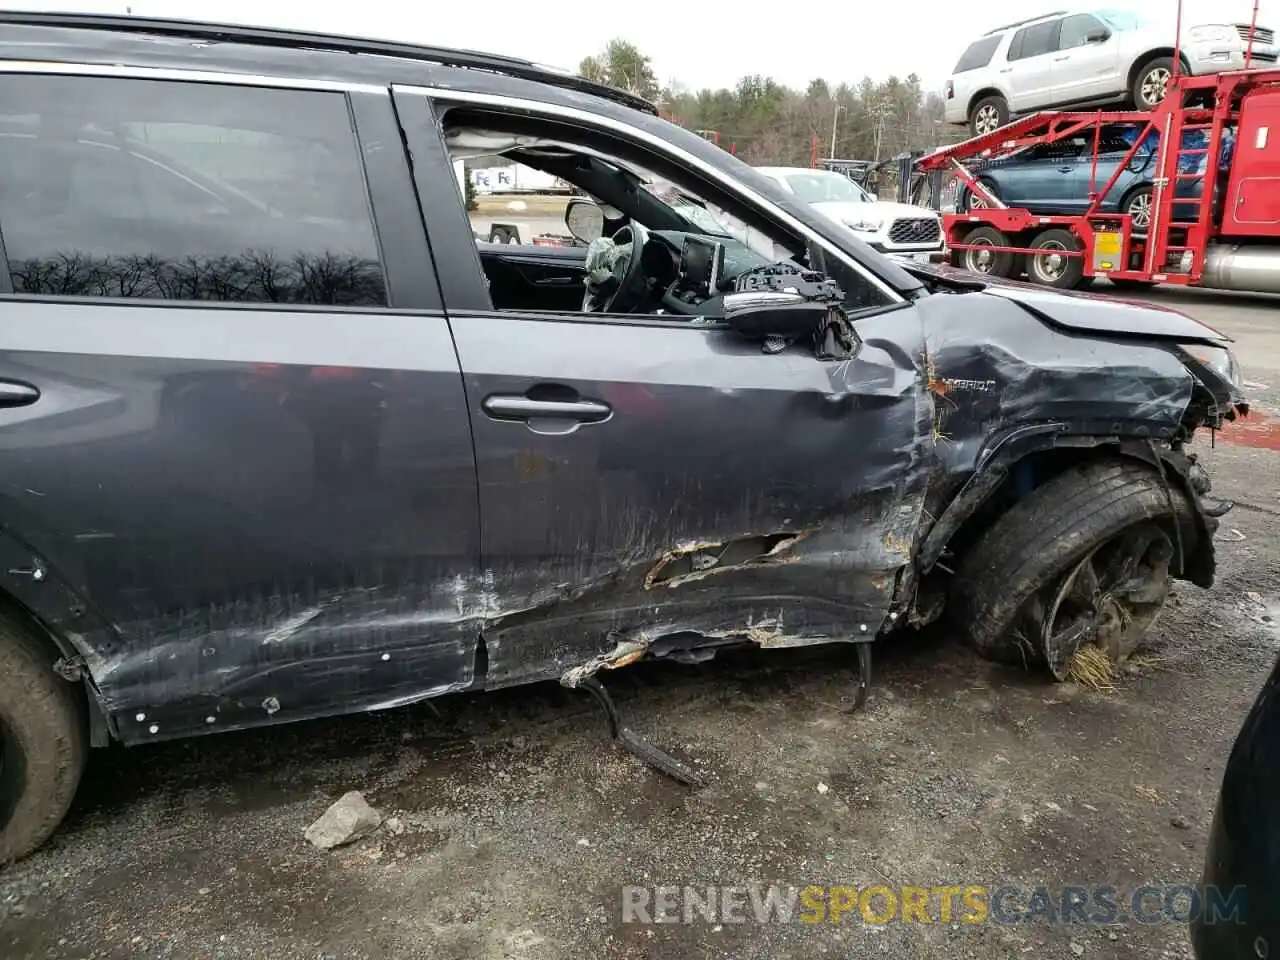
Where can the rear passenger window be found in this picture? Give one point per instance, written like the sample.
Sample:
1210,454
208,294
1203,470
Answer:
978,55
183,191
1036,40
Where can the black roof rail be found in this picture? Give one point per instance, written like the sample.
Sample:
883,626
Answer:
1018,23
302,40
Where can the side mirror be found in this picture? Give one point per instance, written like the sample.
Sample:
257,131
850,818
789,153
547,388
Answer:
762,315
585,220
1099,35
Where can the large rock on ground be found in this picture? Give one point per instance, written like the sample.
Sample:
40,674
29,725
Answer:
345,822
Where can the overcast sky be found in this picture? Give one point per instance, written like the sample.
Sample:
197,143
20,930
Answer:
712,43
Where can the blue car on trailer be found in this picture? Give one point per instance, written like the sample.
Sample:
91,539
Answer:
1058,178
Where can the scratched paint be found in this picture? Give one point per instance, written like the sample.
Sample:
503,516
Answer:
835,471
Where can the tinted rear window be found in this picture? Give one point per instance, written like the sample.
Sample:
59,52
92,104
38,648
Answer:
183,191
978,54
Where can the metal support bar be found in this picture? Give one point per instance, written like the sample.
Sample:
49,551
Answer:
635,744
863,684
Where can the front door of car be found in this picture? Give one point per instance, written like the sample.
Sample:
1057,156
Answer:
1031,66
1087,62
649,481
244,446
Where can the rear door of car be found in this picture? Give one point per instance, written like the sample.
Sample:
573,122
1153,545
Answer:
647,482
973,70
1030,66
233,415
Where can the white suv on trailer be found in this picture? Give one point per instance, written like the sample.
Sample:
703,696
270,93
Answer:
1088,58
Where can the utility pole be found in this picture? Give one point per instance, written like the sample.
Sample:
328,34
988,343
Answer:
881,113
835,120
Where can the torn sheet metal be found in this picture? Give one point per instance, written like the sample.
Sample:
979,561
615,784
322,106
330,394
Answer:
732,497
730,490
991,366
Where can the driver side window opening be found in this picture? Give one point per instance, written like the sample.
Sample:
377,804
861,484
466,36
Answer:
586,263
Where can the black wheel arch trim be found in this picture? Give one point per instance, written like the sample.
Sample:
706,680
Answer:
60,615
1003,453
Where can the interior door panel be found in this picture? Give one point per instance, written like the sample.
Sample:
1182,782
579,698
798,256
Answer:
528,277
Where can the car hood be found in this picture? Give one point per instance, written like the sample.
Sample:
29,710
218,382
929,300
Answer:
845,211
1089,313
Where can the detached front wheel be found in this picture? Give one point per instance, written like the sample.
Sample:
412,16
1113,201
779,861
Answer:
1084,560
42,742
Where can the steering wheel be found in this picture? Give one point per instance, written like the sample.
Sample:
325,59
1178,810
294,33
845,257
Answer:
615,278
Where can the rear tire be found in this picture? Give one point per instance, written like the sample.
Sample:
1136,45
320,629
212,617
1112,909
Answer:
988,114
973,202
43,741
1029,568
1137,203
1151,83
991,263
1051,267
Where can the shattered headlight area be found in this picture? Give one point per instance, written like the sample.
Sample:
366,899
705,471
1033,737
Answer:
1219,376
1218,359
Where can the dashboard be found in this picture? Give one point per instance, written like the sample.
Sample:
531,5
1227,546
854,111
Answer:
688,273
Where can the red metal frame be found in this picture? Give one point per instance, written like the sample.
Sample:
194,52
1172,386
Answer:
1165,237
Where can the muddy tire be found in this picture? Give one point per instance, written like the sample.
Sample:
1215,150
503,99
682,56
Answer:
43,741
1084,559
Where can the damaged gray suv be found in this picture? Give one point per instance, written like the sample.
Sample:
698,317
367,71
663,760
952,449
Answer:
282,440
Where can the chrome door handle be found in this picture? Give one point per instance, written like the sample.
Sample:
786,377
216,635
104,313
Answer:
16,393
1060,59
517,408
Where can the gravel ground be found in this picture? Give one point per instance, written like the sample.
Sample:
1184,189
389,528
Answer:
520,823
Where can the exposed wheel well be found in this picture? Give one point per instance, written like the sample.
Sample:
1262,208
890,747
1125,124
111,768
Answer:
1155,54
1037,468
